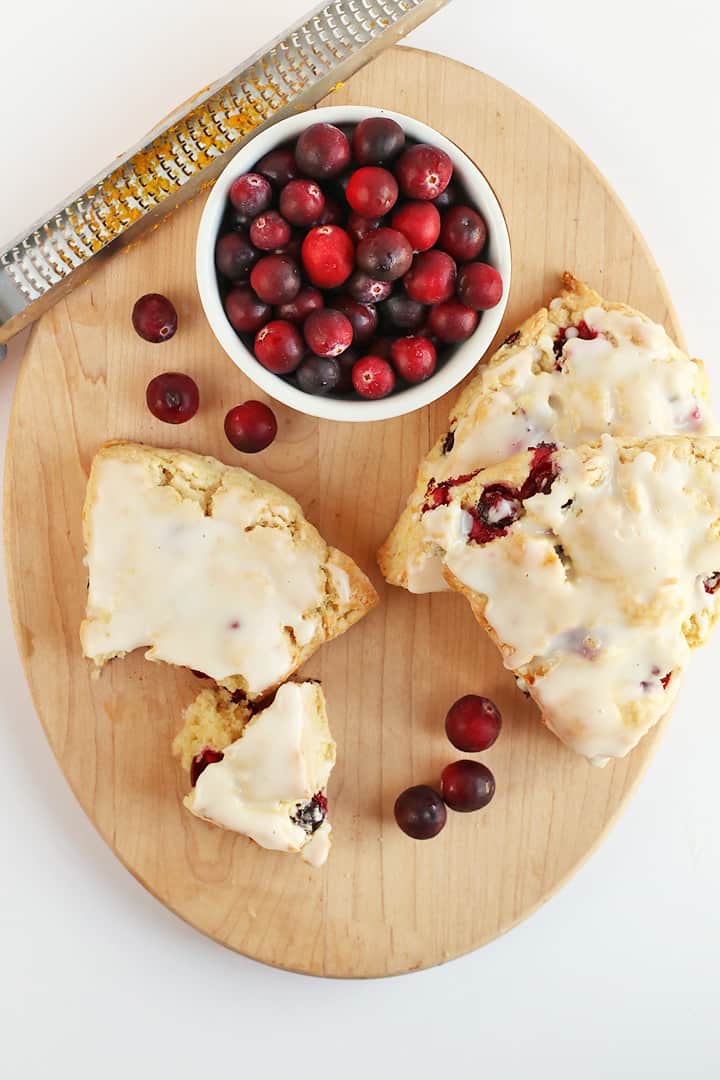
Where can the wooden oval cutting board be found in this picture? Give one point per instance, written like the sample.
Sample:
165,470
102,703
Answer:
383,904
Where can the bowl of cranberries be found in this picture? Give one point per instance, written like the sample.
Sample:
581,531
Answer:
353,262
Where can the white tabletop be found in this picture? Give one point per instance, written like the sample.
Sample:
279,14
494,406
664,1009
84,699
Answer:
618,975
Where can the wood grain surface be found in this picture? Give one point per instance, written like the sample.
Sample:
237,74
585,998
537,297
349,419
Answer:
384,904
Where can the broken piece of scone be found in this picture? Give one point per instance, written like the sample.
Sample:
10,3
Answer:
263,774
573,371
596,571
210,568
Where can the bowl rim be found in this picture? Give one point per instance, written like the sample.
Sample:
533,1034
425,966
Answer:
467,355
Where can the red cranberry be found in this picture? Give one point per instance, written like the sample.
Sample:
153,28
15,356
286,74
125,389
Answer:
373,377
467,785
333,214
543,472
279,346
473,723
372,191
270,231
419,222
479,286
384,254
235,256
172,397
251,427
376,140
245,312
279,166
414,358
711,582
363,317
201,761
328,332
154,318
368,290
359,226
452,321
251,194
498,506
301,202
431,278
402,313
276,279
322,151
327,255
463,233
318,375
420,812
297,310
423,171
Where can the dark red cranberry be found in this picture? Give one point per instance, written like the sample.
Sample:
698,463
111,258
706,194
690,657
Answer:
467,785
665,680
448,442
497,508
251,194
363,317
368,290
372,191
328,254
318,375
322,151
423,171
376,140
380,346
154,318
384,254
235,256
279,346
297,310
473,723
251,427
463,233
479,286
302,202
420,812
585,332
172,397
333,214
431,278
711,582
448,197
310,815
359,226
270,231
279,166
246,313
199,674
451,321
201,761
328,332
346,362
543,472
276,279
373,377
402,313
414,358
511,339
420,222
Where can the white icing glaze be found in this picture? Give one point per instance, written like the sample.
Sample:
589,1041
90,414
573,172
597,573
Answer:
223,594
317,848
598,628
631,380
284,756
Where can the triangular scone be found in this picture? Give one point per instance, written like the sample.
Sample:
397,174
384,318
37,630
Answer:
264,775
210,567
595,570
572,372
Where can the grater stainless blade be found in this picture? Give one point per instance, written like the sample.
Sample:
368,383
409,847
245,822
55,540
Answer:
188,150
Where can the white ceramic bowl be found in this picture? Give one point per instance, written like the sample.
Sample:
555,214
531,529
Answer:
464,357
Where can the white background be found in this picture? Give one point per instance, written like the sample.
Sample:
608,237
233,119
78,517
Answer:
619,975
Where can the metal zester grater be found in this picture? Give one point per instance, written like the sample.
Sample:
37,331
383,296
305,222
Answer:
192,146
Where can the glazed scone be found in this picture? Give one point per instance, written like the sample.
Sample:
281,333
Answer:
573,371
595,570
209,567
264,775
